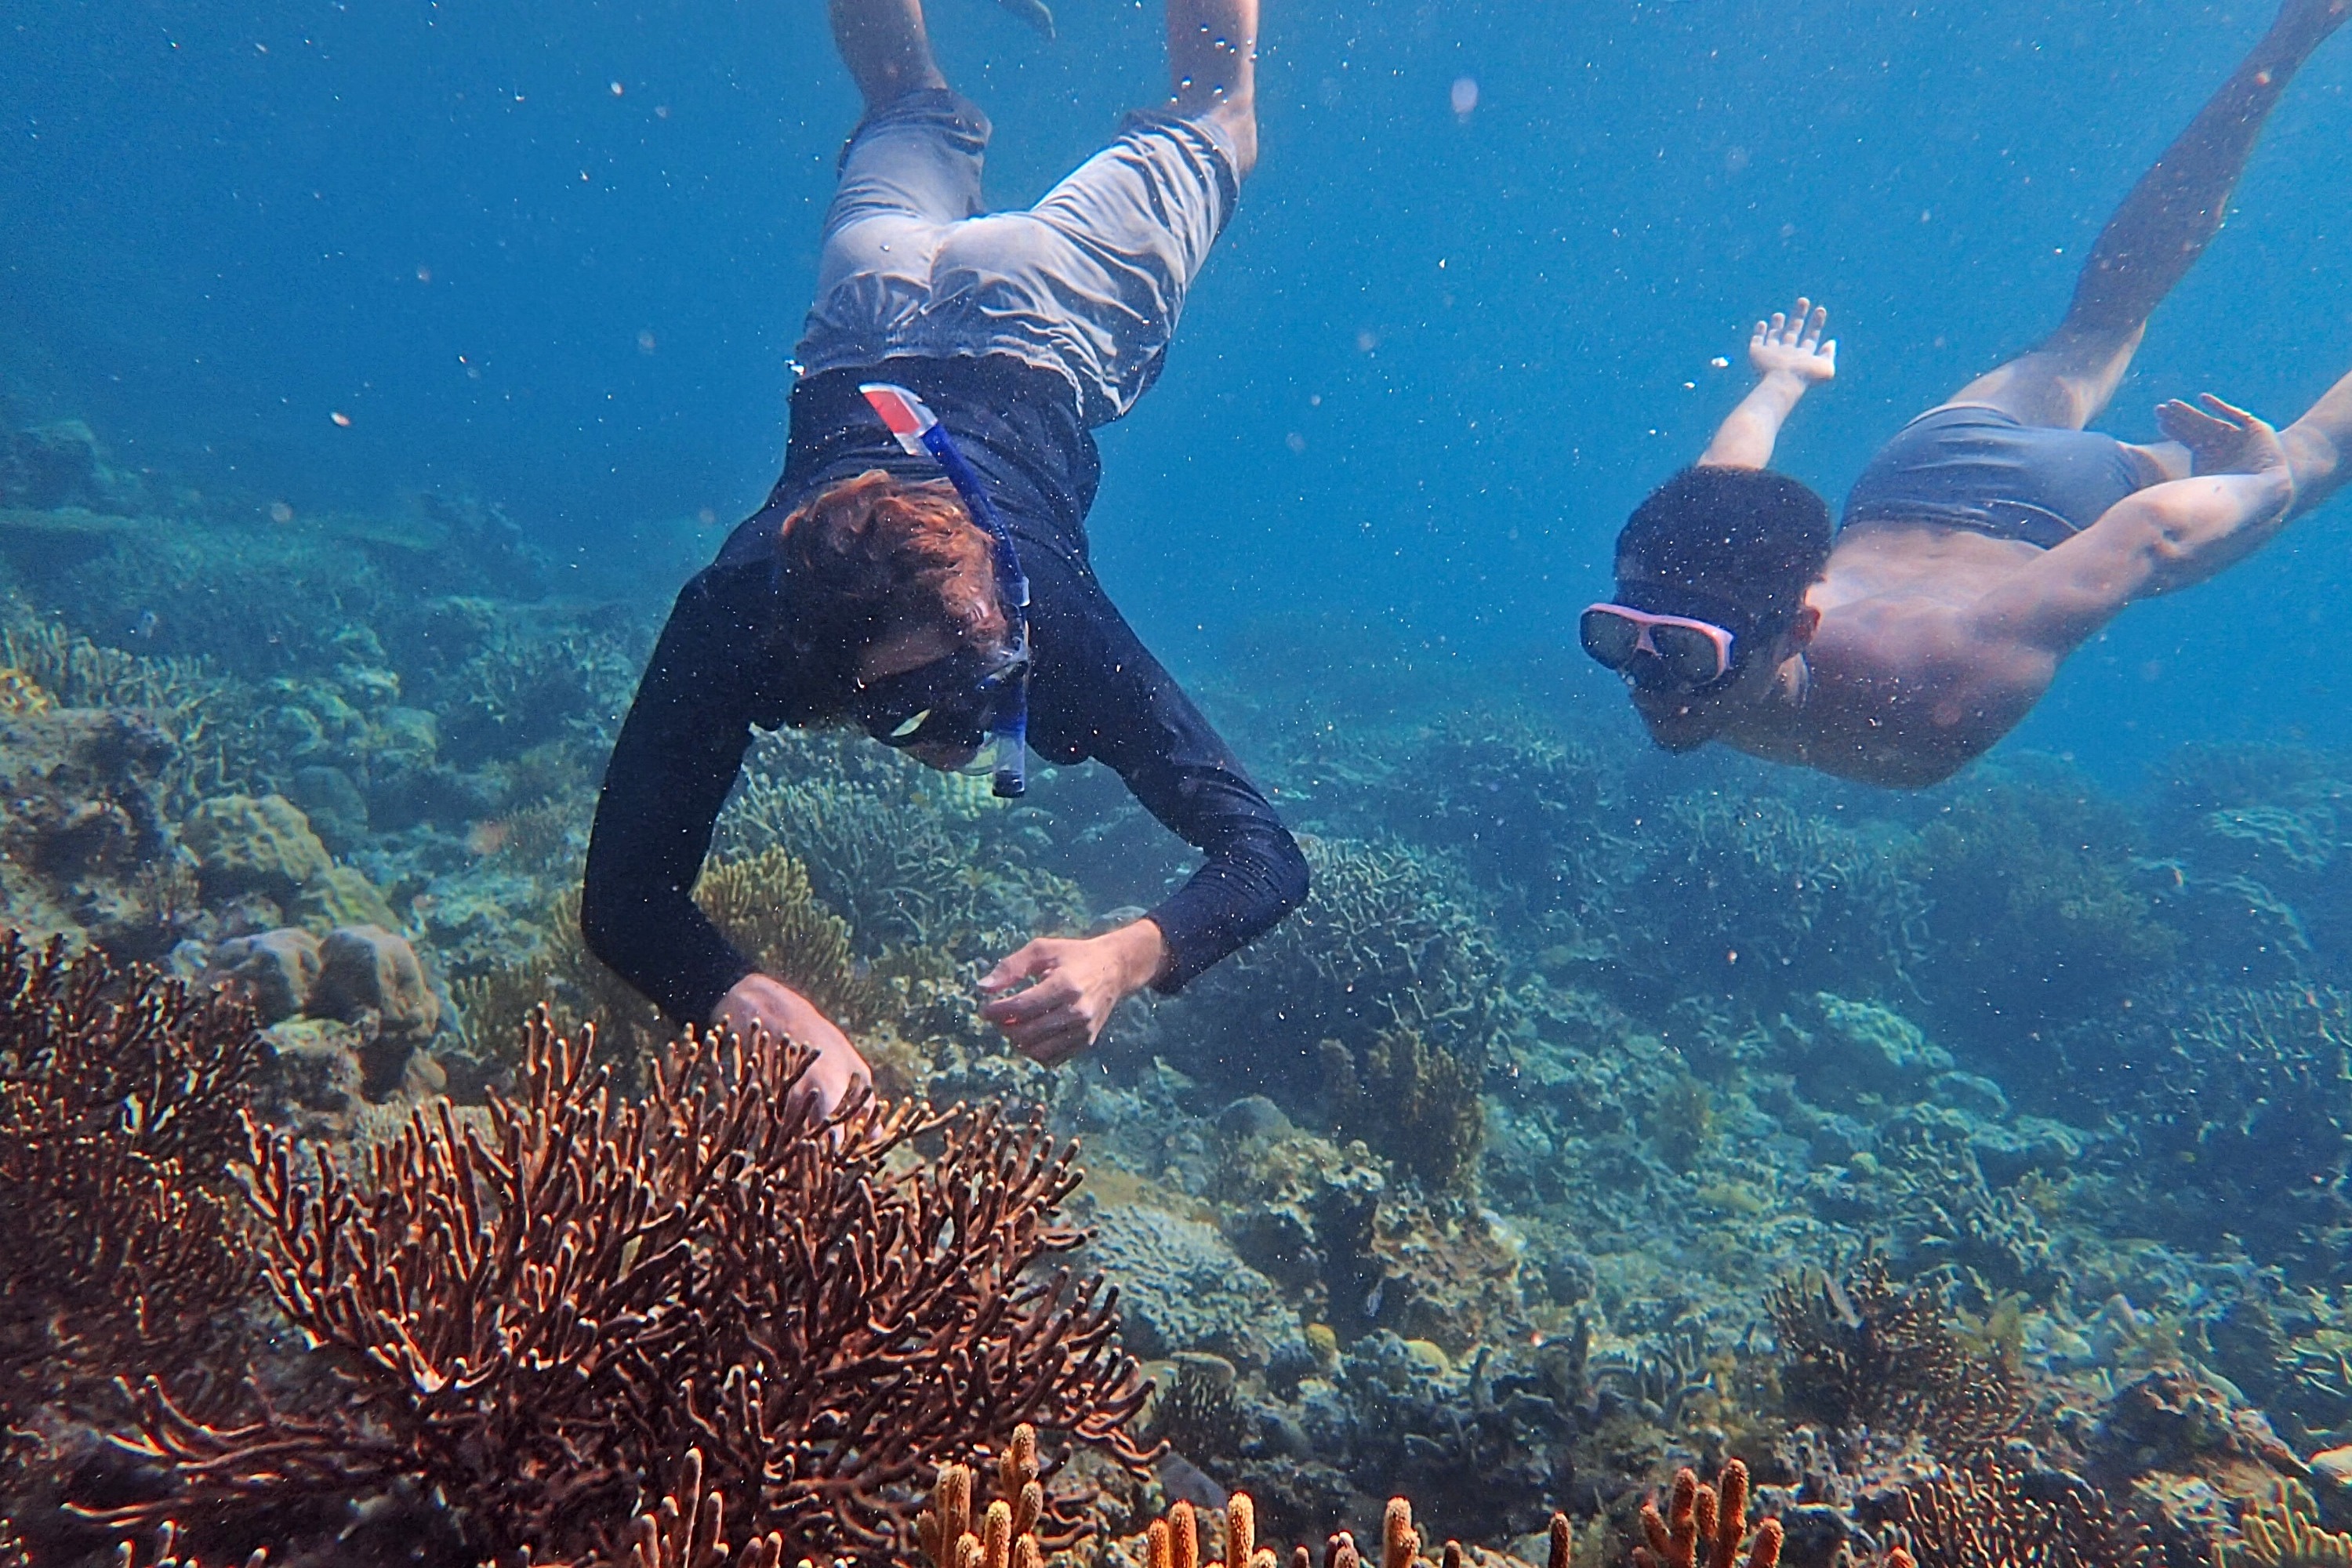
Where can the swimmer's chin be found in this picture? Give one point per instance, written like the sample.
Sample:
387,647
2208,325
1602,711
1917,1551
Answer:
1675,727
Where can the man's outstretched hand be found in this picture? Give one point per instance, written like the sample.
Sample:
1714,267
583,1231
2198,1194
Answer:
2221,439
1791,344
838,1072
1073,984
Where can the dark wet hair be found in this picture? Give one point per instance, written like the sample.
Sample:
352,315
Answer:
1748,537
874,554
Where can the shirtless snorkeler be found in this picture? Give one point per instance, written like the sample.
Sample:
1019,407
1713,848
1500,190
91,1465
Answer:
1989,538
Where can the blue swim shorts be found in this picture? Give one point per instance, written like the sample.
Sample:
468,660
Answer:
1965,466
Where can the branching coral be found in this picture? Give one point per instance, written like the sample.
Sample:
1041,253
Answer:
1387,941
119,1104
2031,915
1991,1515
764,903
1706,1523
164,1552
1007,1534
1413,1102
1870,1352
688,1529
893,852
2283,1530
206,715
1755,898
527,1310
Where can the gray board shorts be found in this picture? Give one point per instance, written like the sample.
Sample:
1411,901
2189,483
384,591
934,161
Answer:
1967,466
1088,283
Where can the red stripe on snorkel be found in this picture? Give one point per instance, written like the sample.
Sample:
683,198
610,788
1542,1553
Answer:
901,412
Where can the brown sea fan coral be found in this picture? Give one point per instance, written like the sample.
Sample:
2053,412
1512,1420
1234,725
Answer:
527,1310
1870,1352
121,1099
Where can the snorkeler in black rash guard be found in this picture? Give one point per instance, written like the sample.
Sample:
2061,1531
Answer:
921,569
1991,537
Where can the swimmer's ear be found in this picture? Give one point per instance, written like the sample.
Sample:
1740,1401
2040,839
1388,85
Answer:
1802,628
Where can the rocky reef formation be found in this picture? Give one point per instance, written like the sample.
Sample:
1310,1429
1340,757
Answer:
1970,1164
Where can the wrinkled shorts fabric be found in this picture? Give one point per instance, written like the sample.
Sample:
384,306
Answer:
1087,283
1967,466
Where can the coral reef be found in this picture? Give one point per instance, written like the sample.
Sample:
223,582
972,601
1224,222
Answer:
2284,1531
1994,1515
1870,1352
121,1099
1708,1523
86,847
1471,1181
528,1312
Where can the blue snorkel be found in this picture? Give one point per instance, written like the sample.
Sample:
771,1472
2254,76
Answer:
919,430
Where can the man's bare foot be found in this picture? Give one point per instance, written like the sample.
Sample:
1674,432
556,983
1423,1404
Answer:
2221,439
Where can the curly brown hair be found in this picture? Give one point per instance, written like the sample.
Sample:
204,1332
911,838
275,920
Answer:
876,553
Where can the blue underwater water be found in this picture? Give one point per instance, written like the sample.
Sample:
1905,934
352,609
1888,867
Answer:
373,374
1437,356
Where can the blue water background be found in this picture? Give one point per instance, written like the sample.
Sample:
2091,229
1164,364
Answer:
1435,360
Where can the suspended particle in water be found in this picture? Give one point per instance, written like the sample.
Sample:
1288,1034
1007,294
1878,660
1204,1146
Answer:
423,274
1464,96
1367,340
1295,442
280,513
340,418
645,344
1720,362
618,89
707,517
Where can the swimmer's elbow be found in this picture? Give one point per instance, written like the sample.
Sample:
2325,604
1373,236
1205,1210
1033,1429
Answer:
1290,876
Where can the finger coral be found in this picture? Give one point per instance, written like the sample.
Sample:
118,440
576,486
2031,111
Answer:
1704,1523
529,1308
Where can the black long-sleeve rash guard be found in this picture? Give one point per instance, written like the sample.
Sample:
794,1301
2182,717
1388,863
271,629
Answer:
1095,691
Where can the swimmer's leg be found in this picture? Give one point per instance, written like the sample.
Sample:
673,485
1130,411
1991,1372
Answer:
1212,69
2158,234
886,48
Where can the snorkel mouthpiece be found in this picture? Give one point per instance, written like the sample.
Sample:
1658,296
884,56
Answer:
918,430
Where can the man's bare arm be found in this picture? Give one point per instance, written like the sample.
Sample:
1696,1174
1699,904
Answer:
1789,356
2158,541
